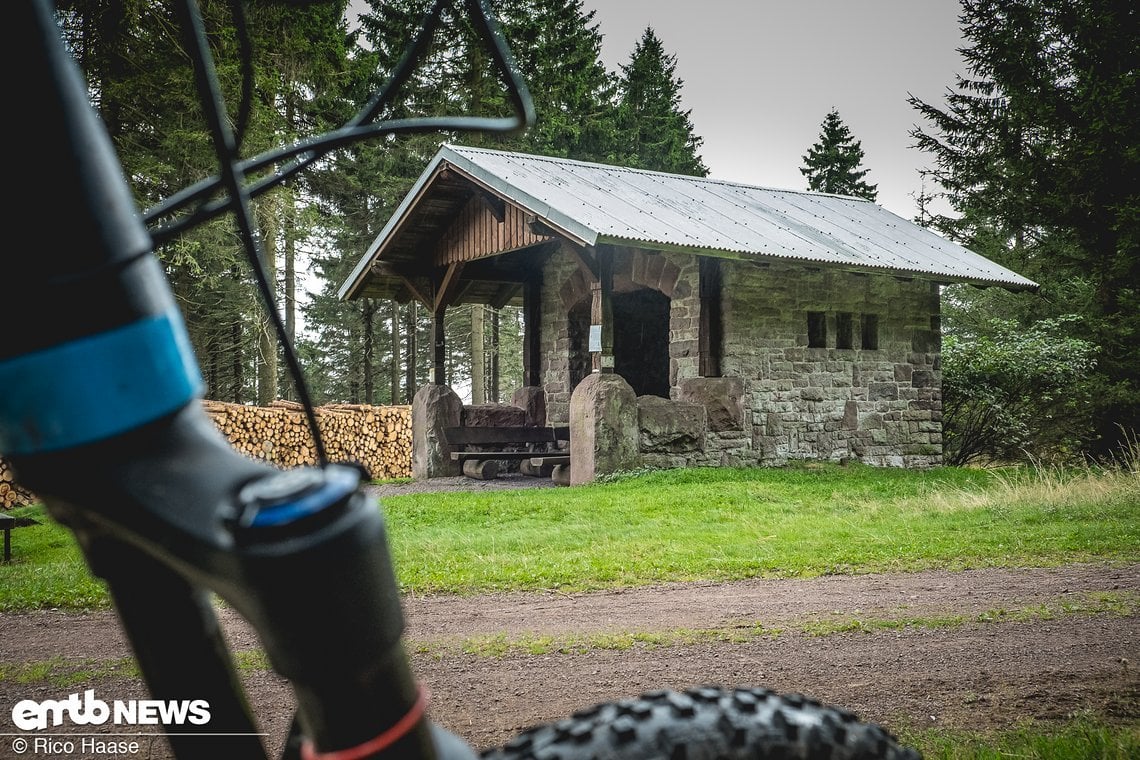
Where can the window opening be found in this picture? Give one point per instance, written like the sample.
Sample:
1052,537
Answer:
870,332
817,329
843,330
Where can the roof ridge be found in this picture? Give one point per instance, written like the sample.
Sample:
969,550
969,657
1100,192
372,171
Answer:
634,170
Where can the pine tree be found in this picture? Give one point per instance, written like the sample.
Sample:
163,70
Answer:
558,49
833,164
653,130
1035,152
143,86
558,53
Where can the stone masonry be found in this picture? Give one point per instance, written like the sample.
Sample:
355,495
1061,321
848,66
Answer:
871,392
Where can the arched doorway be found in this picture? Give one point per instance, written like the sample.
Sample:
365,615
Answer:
641,340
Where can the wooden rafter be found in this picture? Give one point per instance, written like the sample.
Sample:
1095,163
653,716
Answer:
586,259
505,294
386,269
446,286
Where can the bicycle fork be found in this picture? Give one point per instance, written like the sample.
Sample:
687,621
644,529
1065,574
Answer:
99,416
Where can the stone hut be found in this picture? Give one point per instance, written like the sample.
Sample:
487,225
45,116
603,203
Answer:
747,325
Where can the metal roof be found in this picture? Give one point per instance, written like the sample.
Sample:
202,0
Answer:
597,204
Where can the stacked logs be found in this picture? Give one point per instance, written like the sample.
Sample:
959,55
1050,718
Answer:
11,495
377,437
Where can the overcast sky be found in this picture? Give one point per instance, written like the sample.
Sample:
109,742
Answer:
761,75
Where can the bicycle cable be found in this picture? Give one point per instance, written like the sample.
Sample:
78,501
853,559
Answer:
234,171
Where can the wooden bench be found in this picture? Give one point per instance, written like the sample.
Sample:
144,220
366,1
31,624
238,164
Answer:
481,447
7,523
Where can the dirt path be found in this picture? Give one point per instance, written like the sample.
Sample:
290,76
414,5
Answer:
1012,644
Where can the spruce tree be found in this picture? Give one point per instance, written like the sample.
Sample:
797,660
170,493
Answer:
1035,153
834,163
558,49
558,53
653,130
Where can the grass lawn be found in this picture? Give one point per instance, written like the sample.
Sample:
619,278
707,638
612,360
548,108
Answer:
1081,738
712,524
701,524
721,524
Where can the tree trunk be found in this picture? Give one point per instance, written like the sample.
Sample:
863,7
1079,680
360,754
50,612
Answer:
238,373
495,355
368,350
289,222
290,266
478,379
410,373
394,366
267,341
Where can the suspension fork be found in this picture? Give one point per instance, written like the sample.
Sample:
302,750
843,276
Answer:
99,416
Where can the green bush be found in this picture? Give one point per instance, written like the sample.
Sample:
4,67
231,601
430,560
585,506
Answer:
1016,393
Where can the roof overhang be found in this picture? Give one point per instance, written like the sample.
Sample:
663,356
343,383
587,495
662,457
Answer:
592,205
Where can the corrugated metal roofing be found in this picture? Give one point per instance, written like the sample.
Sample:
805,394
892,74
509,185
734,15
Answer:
595,204
598,204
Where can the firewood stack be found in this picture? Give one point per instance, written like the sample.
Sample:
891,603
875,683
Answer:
11,495
378,437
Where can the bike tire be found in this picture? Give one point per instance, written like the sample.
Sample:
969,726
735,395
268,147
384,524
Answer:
709,723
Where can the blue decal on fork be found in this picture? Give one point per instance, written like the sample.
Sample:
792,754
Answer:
130,376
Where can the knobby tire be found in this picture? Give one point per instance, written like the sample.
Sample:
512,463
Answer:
709,723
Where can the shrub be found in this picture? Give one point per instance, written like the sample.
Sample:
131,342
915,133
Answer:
1017,392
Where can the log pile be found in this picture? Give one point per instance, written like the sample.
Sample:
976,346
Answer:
377,437
11,495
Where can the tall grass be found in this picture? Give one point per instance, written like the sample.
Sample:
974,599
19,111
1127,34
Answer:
1055,486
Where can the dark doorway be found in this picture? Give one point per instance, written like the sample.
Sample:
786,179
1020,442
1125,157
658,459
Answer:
641,340
578,331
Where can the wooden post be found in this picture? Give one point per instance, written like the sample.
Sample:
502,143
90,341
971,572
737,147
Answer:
532,331
711,338
439,346
445,288
602,314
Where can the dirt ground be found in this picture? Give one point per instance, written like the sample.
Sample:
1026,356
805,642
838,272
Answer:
992,670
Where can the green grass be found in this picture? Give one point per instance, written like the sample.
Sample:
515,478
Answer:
47,569
723,524
1081,738
706,524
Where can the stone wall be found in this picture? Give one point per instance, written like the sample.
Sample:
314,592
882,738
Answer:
879,405
675,275
781,399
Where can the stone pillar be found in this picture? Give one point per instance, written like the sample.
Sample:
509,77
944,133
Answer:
603,428
434,408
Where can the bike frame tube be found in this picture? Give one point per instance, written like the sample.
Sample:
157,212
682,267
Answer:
165,511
